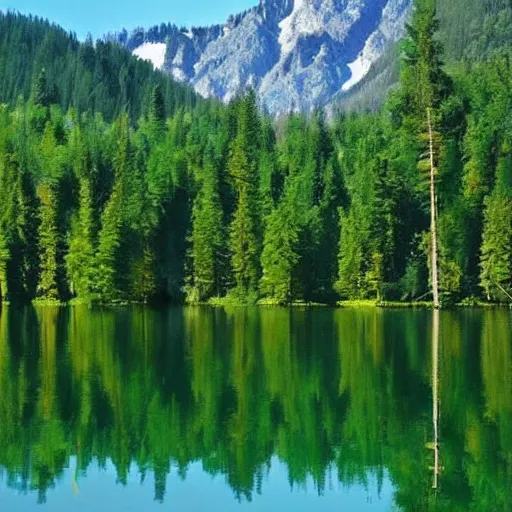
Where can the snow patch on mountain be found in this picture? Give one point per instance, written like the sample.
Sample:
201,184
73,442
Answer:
390,29
359,68
154,52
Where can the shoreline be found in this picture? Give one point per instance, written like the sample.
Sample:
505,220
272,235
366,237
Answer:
265,303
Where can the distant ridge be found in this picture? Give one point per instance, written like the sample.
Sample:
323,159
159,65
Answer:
297,54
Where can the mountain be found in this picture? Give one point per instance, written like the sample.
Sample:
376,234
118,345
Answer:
297,54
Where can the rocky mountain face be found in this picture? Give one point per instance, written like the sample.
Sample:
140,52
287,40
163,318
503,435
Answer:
297,54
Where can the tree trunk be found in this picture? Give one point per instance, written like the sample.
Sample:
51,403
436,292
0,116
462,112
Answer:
433,214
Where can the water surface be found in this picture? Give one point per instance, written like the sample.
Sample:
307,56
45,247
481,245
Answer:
255,409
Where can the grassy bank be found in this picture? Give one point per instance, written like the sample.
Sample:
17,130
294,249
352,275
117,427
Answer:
237,302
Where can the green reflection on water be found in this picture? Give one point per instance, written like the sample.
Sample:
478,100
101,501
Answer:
352,393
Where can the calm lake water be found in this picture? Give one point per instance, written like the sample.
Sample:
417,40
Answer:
255,409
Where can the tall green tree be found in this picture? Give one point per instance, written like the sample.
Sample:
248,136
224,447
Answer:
109,260
245,242
50,285
208,237
83,230
424,86
281,254
80,258
496,259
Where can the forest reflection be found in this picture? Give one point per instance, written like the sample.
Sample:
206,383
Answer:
350,393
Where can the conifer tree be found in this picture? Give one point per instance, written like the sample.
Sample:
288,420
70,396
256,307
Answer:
424,86
109,261
496,259
207,236
106,285
157,107
281,254
48,286
245,244
244,241
42,95
80,258
4,182
21,217
496,251
141,218
351,262
50,226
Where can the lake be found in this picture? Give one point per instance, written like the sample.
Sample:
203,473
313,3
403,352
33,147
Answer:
197,409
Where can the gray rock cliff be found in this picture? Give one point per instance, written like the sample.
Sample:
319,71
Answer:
297,54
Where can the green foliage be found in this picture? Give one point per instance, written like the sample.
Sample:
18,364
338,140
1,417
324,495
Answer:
244,231
496,259
108,262
351,271
221,202
48,287
80,258
423,82
281,254
4,262
41,61
208,241
107,259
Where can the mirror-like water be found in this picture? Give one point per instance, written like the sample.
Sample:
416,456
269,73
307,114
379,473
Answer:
255,409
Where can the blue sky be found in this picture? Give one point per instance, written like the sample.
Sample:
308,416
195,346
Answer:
101,16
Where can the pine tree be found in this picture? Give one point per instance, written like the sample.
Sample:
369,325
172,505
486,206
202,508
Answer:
48,285
80,258
108,284
424,86
5,134
207,237
141,217
80,255
496,259
42,94
143,272
350,283
19,206
245,244
157,107
50,244
281,254
333,196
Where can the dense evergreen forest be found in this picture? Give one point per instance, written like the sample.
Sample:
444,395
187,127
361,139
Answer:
96,77
184,200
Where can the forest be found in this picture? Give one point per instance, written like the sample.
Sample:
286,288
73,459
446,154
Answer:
153,194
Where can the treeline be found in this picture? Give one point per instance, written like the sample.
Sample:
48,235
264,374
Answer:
335,396
91,76
163,33
223,202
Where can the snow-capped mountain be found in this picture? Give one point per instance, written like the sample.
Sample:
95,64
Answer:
296,53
